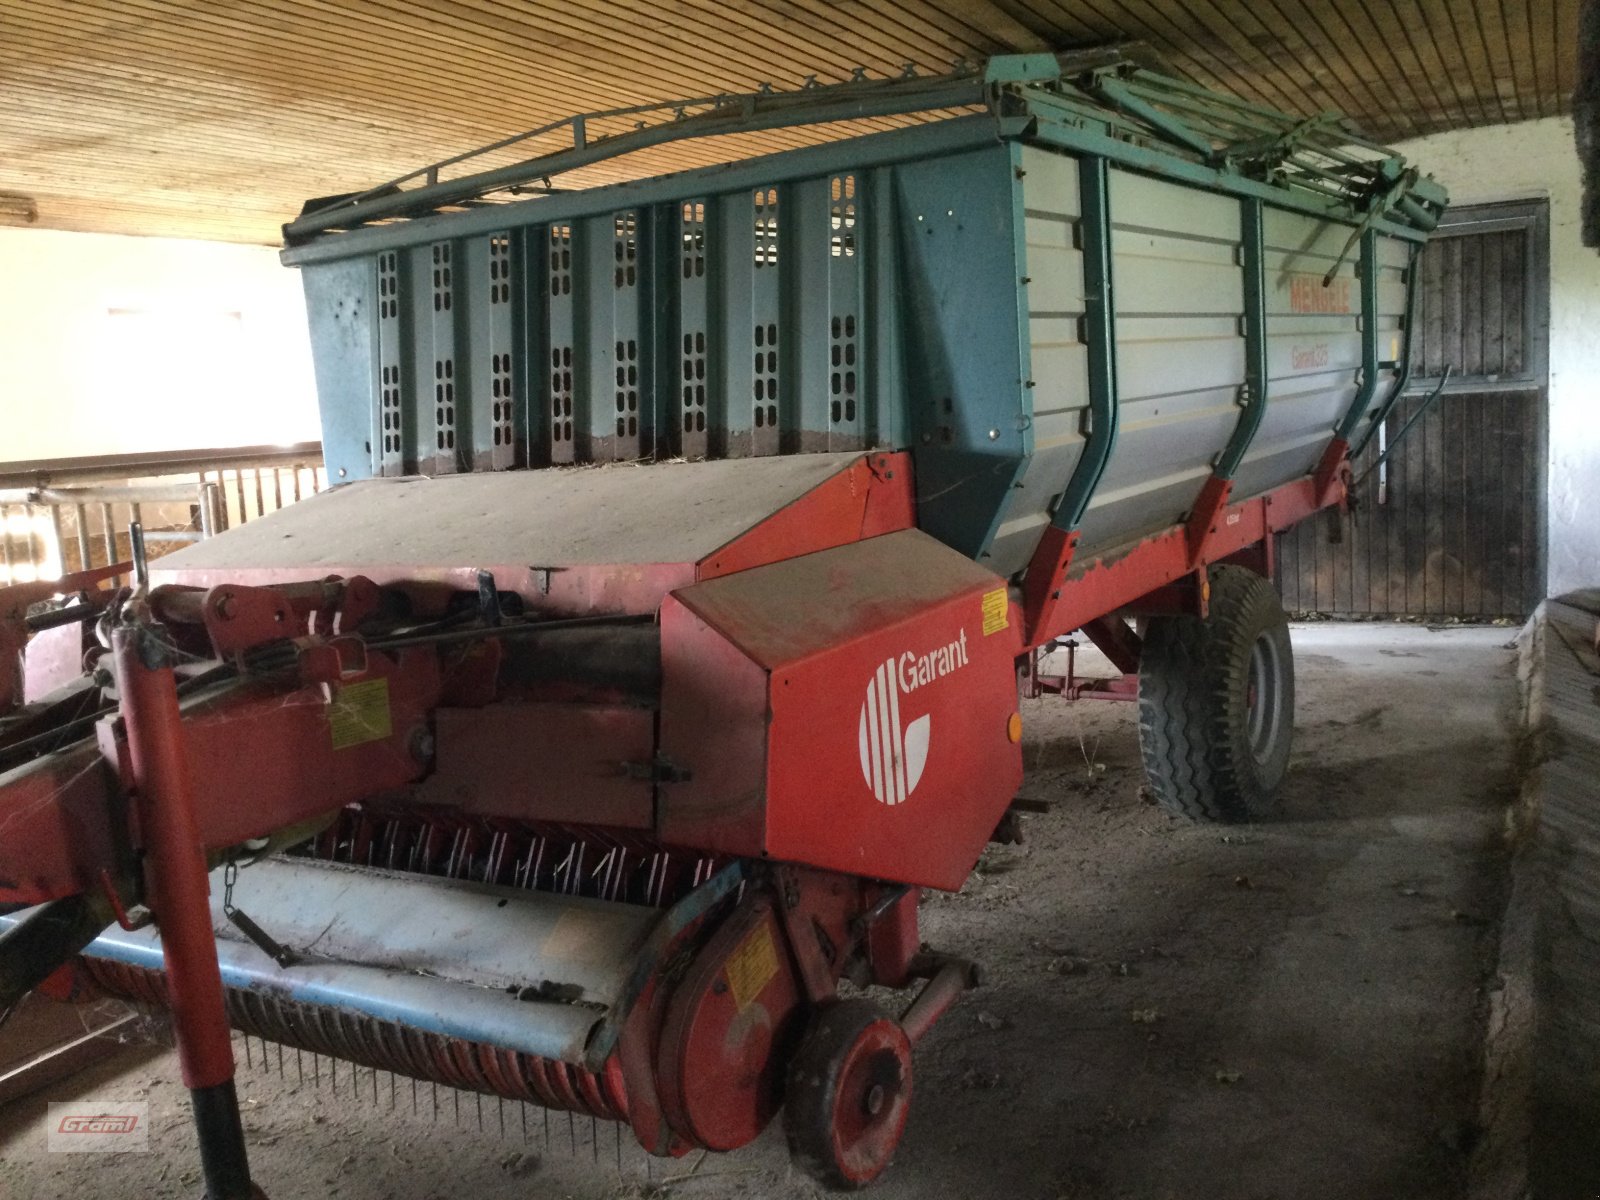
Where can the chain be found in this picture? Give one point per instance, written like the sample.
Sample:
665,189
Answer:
243,922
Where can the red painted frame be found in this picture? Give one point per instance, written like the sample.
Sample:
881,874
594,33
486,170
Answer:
1060,596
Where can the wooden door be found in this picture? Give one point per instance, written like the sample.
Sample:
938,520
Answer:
1452,523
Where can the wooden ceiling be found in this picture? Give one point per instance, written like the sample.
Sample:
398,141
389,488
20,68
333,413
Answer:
217,118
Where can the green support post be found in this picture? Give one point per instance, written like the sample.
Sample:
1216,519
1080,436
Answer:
1099,320
1254,400
1369,337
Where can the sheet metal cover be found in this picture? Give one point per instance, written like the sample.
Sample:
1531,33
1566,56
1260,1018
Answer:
448,929
492,1016
677,512
789,610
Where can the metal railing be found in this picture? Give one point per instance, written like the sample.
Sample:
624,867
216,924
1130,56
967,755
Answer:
75,513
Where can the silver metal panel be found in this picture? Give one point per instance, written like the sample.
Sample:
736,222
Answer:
1165,445
1294,433
1313,347
1060,367
1179,300
456,1010
1144,202
1158,276
473,933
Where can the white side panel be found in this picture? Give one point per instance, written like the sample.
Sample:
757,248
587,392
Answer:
1060,391
1178,284
1313,347
1179,300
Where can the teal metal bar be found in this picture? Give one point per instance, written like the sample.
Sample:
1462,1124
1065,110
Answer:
1117,95
1403,380
878,149
1369,337
739,114
1422,409
1063,126
1254,400
1099,322
1162,119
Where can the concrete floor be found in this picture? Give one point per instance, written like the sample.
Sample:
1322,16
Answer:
1293,1009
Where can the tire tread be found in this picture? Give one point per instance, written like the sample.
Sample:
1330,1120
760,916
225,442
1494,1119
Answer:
1195,756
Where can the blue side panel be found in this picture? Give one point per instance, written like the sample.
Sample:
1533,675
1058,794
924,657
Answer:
342,305
695,404
741,313
964,368
484,408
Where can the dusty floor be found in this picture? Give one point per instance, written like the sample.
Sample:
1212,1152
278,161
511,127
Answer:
1291,1010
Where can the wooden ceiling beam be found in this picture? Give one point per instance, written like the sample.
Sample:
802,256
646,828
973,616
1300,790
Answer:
173,115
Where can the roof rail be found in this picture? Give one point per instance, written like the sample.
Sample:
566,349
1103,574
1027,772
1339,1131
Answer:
1320,154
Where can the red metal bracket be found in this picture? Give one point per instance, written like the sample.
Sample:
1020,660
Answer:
817,973
331,661
1044,580
1117,581
1332,472
1112,636
1188,596
114,896
892,937
1202,523
238,617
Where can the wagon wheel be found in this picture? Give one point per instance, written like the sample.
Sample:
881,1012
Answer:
1216,702
849,1093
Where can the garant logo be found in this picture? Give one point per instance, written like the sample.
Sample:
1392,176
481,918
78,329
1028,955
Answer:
893,756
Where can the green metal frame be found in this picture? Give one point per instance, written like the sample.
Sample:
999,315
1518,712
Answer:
1402,380
1369,335
932,309
1099,318
1130,116
1254,401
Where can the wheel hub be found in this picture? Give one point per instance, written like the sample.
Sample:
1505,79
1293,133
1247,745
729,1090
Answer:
875,1100
1264,697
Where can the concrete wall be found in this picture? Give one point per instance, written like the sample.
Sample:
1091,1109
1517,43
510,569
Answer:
113,344
1518,162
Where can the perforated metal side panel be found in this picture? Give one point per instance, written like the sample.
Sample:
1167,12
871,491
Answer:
695,417
391,403
559,339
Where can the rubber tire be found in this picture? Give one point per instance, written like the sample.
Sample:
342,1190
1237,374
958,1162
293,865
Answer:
1194,703
813,1092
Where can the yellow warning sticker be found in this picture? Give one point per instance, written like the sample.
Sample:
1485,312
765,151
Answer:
752,966
360,713
994,611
